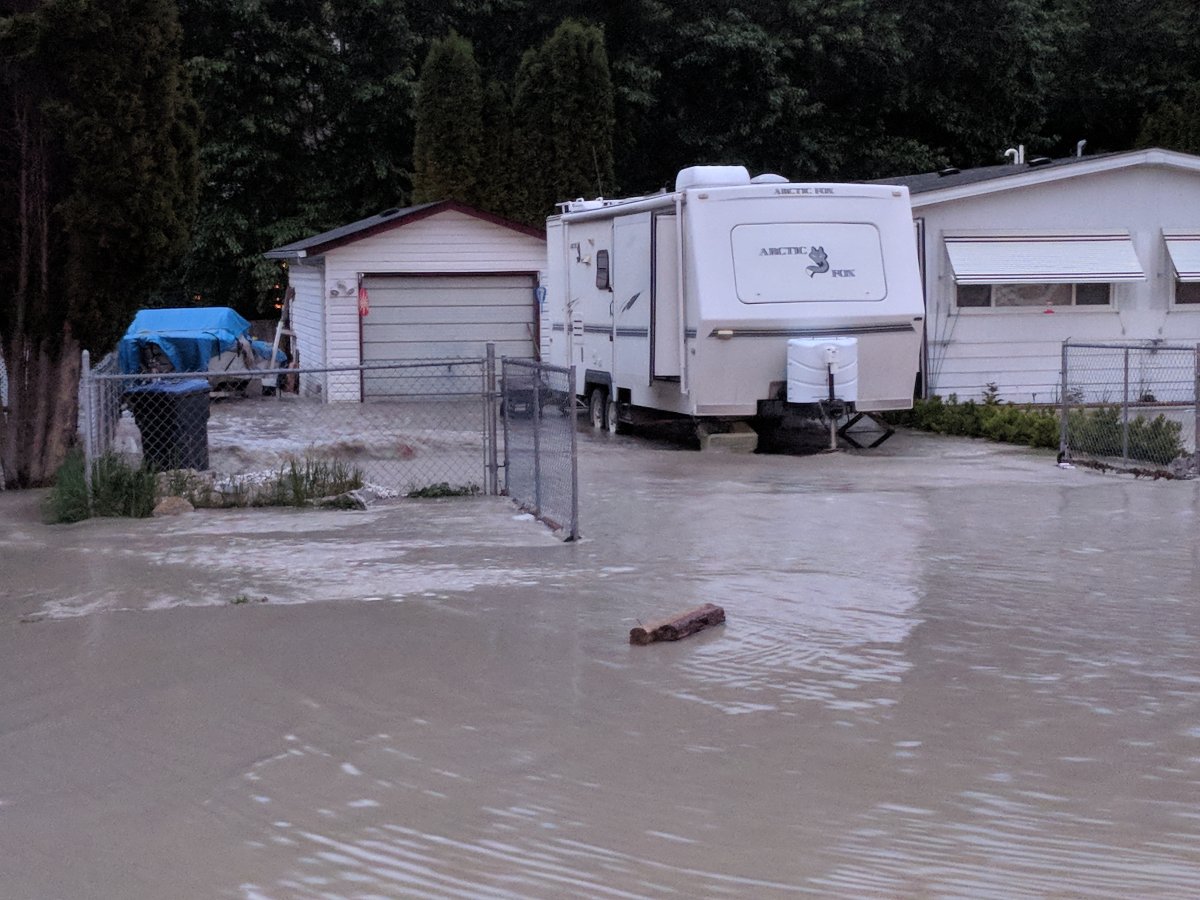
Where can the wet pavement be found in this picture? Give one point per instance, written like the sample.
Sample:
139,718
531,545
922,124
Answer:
949,669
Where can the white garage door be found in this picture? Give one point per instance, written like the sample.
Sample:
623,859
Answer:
416,317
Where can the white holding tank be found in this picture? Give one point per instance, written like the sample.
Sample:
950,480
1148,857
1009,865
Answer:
736,299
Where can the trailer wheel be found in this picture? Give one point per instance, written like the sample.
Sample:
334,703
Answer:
611,418
598,408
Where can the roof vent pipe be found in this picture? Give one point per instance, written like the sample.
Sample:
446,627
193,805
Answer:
1016,155
1079,145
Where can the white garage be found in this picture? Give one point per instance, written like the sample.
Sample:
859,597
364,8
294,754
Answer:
436,281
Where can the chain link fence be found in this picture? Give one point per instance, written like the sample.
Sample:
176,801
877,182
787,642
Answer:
538,406
1131,406
422,429
427,428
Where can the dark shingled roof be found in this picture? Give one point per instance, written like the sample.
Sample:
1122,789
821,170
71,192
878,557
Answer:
932,181
384,221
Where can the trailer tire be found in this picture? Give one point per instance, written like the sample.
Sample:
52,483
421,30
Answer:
612,420
598,408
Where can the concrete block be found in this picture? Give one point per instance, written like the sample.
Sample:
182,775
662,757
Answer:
740,438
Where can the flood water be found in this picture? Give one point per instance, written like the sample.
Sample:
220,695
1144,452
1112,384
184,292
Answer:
948,670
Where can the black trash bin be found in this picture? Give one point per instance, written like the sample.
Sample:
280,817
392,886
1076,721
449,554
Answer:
173,419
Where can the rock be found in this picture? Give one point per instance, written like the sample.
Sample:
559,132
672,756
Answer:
172,506
1182,467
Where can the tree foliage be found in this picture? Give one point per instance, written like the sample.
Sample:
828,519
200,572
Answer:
98,191
1175,125
563,117
448,148
308,121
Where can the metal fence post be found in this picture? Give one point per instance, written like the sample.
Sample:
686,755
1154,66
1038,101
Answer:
537,441
1125,413
1064,449
505,407
1196,412
571,423
490,409
88,399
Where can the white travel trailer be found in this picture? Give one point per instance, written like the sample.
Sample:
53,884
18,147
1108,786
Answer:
736,299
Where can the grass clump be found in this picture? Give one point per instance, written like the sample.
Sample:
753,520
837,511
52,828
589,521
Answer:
118,489
300,483
121,489
68,499
444,489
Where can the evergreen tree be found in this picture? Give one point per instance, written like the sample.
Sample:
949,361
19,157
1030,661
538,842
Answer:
308,124
369,147
1121,59
496,183
563,118
983,74
1175,125
100,193
449,129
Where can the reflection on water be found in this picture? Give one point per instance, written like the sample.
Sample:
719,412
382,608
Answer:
978,691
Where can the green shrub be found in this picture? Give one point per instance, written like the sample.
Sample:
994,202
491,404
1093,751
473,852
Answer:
1032,426
68,499
1098,432
118,489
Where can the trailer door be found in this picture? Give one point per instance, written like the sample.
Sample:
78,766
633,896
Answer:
666,338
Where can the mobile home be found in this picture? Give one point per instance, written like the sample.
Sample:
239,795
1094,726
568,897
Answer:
734,298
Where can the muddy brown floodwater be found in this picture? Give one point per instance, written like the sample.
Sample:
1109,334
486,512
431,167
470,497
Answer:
949,670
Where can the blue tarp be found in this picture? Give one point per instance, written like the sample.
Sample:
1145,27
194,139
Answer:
188,337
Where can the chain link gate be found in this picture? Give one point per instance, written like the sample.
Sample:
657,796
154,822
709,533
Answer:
1131,406
540,471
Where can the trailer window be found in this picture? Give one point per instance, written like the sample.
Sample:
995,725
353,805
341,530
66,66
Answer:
603,279
797,262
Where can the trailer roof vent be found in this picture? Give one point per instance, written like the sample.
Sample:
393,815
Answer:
768,178
711,176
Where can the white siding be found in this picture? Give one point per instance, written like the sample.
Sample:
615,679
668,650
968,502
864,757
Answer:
308,321
447,242
1020,350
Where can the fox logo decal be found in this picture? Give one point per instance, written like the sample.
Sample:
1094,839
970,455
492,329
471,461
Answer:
821,259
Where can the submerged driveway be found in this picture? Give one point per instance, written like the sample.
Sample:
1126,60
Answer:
949,668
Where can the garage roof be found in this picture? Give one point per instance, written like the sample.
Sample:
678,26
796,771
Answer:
385,221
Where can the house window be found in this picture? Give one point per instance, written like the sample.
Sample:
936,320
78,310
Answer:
603,280
1187,292
1039,296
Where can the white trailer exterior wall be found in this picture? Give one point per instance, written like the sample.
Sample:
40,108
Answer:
700,298
1146,196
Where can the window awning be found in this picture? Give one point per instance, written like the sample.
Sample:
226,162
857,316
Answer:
1043,259
1184,250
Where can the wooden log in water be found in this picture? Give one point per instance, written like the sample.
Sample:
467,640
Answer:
678,626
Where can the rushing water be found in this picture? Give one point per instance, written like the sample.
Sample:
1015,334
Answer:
948,670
